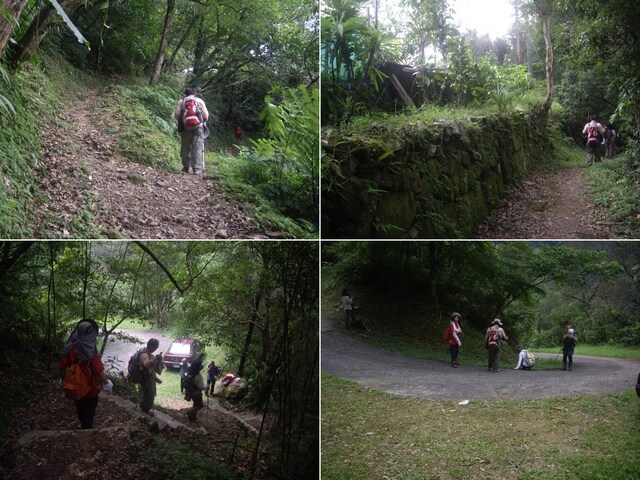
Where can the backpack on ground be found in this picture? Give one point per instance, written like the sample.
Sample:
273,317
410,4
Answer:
530,357
133,370
191,114
76,384
446,334
493,339
592,135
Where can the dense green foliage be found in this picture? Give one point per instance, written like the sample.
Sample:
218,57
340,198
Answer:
536,288
258,301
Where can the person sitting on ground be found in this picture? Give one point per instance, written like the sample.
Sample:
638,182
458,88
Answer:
347,306
454,338
592,132
194,386
569,341
525,359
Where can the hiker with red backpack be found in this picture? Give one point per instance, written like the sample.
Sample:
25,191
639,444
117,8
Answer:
192,115
493,341
83,384
593,132
455,330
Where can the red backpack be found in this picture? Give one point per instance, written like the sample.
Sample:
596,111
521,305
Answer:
76,384
191,115
446,334
493,339
592,135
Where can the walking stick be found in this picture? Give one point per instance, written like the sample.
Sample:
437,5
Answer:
558,353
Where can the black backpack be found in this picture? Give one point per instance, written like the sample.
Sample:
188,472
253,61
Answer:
134,372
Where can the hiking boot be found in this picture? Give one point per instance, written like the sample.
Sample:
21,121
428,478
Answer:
454,365
570,368
185,170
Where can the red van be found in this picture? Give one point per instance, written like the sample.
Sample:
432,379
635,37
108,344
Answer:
188,348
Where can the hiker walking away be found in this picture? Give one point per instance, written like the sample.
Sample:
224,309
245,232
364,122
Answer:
191,115
593,132
148,365
610,141
347,306
569,341
213,372
454,338
525,359
81,348
194,385
494,337
184,366
238,134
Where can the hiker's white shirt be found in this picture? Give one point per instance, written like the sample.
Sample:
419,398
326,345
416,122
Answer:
522,360
347,302
592,123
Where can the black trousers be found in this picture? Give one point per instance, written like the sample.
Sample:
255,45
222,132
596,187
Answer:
454,353
86,408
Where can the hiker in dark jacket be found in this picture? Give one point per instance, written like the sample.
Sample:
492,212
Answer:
81,346
194,385
213,372
569,341
184,366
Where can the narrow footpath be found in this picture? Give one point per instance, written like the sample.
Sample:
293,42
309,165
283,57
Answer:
85,181
549,204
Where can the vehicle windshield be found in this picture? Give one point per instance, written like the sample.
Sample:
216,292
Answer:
180,348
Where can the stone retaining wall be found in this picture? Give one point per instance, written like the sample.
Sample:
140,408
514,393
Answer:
436,180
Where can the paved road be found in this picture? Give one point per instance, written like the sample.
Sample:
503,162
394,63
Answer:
347,357
120,351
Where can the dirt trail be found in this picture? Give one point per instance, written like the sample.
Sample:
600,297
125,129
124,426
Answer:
125,199
347,357
550,204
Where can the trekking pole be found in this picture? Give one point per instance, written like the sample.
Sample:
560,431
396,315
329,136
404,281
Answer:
558,353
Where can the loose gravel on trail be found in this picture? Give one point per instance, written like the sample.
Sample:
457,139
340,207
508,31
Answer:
347,357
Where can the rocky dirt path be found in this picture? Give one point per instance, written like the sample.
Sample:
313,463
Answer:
347,357
86,182
549,204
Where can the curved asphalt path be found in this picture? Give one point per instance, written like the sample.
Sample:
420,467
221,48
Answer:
346,357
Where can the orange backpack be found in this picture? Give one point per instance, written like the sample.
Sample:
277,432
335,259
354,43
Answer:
76,384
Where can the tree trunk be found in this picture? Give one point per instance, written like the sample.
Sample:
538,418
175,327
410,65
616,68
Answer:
516,5
528,42
14,7
170,64
198,54
545,9
249,336
164,42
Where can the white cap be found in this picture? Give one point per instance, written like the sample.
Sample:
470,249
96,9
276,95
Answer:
571,331
107,387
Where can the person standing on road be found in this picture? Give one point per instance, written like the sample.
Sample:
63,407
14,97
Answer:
81,348
347,306
454,338
494,337
149,365
593,132
569,341
192,115
213,372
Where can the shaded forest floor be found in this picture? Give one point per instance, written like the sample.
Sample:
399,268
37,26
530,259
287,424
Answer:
91,191
549,204
43,440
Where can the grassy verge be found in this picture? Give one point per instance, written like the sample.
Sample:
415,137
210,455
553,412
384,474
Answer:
614,351
372,435
618,194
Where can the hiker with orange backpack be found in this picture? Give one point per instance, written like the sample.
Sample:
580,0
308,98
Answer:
192,115
593,132
455,330
82,370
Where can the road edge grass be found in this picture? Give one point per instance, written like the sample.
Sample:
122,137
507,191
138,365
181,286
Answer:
367,434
